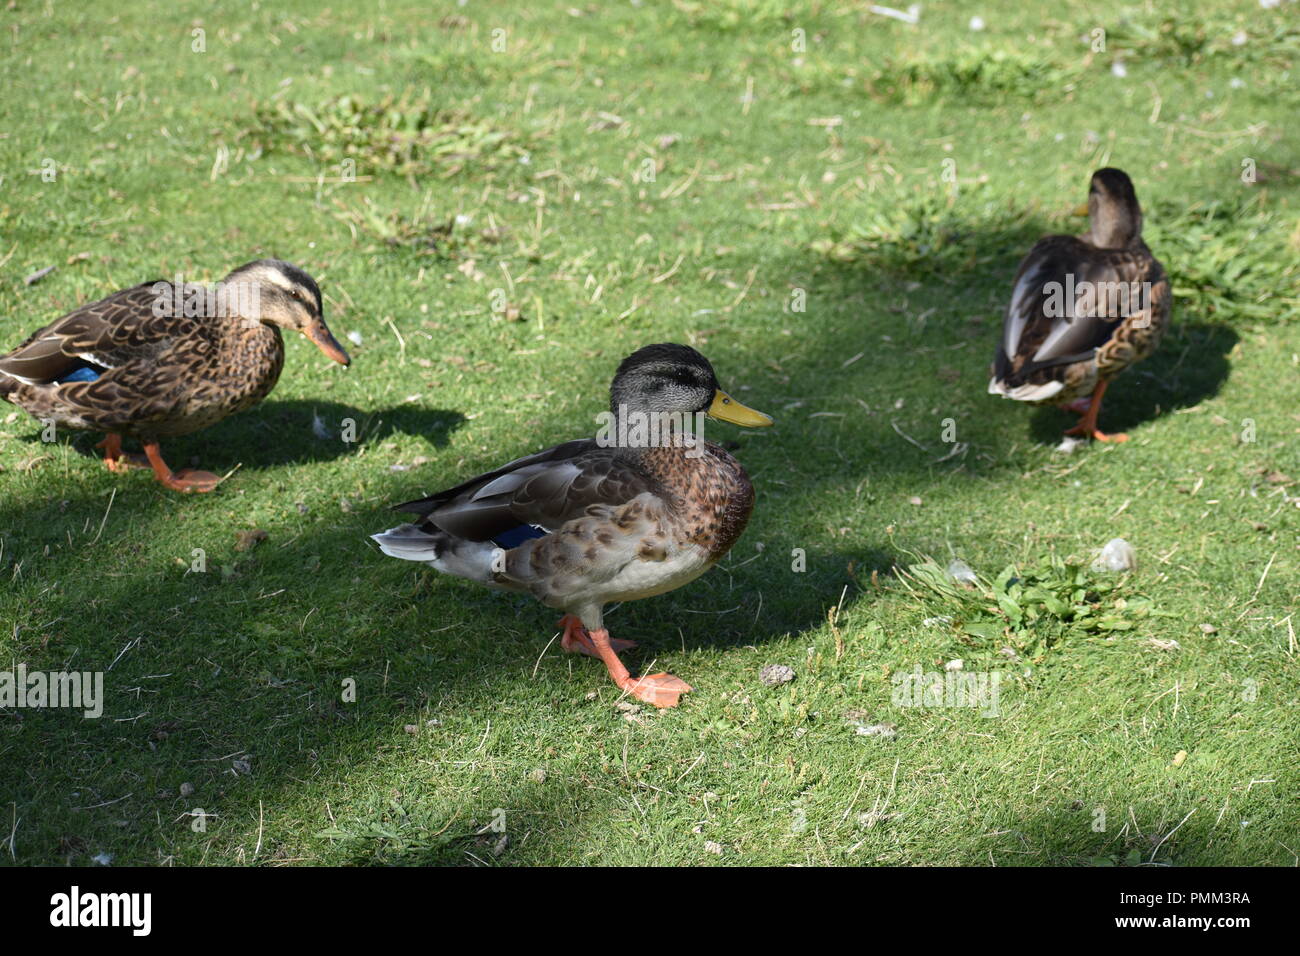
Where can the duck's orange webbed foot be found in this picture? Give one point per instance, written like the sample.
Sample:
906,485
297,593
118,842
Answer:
575,639
661,690
191,479
1088,409
1091,431
187,479
658,690
116,460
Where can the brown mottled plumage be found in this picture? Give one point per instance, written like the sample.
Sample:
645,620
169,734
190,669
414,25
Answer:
1083,309
135,364
584,524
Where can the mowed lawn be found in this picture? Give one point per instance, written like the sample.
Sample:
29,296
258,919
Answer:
500,201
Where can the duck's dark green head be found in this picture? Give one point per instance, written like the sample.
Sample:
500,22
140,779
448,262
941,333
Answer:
288,297
676,379
1114,216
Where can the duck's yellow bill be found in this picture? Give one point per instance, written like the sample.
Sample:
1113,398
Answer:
1080,210
727,409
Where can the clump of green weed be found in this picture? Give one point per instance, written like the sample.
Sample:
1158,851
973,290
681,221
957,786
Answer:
408,135
1030,610
972,74
1187,41
1229,259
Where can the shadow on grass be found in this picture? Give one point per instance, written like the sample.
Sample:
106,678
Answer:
267,683
1064,835
1190,366
293,432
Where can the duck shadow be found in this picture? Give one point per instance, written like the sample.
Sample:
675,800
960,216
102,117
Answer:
1190,366
294,432
739,602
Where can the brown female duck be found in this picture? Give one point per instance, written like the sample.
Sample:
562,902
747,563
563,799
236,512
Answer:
639,510
163,359
1084,308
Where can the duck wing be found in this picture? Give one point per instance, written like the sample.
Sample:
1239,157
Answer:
136,358
108,333
1069,299
541,491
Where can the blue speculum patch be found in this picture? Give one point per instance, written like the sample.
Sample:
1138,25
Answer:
517,536
83,374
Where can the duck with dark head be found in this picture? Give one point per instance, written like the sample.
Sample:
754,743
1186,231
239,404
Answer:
595,521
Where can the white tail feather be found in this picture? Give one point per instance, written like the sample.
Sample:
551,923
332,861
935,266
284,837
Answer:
474,560
1026,392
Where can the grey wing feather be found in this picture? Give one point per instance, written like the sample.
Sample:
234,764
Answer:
544,490
146,357
109,333
1037,334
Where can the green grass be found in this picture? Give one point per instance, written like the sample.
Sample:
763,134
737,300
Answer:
520,221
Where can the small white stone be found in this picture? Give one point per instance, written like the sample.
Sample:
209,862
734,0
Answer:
977,23
354,337
954,665
1119,69
1117,555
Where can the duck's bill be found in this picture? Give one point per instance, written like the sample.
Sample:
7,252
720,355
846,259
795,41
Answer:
727,409
327,343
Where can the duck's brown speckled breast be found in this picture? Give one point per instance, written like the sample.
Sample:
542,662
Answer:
713,496
242,371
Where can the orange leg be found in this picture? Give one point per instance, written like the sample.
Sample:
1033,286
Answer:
1087,426
117,460
660,690
112,445
576,641
187,479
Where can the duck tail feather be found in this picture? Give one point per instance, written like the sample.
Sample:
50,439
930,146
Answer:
474,560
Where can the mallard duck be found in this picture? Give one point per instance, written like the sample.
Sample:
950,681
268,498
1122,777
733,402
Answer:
639,510
163,359
1083,309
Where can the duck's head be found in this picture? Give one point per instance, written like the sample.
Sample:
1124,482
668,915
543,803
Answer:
284,295
676,379
1114,216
